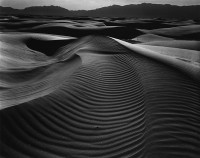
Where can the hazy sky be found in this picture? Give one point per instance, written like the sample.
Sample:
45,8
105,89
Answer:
88,4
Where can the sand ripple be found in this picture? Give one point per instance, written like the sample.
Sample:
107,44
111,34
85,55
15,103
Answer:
97,97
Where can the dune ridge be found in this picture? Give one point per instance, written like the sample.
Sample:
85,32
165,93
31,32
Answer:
97,96
111,105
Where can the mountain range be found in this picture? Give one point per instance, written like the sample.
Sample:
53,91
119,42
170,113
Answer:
144,10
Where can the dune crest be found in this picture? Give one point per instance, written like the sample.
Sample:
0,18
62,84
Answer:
97,95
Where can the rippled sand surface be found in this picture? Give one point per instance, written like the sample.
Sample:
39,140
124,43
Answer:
80,88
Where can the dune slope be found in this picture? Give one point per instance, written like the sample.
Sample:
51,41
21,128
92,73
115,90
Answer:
97,97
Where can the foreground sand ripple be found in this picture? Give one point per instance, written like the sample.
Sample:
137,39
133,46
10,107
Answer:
118,102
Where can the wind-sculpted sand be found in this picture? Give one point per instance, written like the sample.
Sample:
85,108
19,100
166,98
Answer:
95,94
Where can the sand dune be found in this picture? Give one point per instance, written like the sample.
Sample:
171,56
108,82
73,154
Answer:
151,38
158,40
179,32
97,96
183,44
81,30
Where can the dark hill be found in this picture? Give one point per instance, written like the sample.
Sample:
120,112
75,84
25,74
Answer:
144,10
8,10
46,10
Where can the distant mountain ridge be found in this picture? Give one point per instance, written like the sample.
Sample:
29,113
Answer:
35,10
144,10
46,9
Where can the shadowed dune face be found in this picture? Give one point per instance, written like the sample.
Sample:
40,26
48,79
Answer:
47,47
64,95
